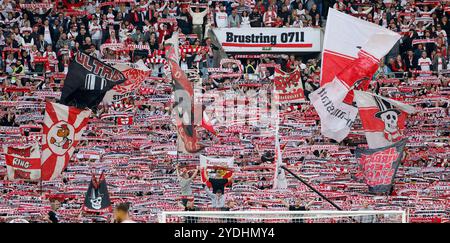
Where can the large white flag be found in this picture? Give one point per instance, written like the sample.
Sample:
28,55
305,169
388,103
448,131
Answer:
344,38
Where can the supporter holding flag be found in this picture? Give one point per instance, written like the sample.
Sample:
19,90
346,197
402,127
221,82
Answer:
185,179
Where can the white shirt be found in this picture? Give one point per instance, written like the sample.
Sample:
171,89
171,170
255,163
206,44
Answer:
128,221
96,31
47,36
425,64
439,67
221,19
245,22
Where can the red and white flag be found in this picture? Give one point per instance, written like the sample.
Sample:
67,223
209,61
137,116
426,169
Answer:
344,38
213,162
63,127
288,85
125,120
23,163
383,119
207,123
135,75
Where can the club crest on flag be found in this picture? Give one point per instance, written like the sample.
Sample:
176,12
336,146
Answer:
60,137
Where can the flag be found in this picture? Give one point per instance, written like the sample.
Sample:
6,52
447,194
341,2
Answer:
124,120
209,162
288,85
184,104
88,80
383,119
223,167
379,166
135,75
97,196
23,163
336,117
344,38
279,179
353,45
62,128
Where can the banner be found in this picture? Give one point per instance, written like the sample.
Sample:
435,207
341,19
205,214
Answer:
383,119
206,162
379,166
269,39
23,163
97,196
289,86
63,127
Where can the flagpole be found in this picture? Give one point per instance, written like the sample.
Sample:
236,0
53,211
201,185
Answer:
312,188
277,142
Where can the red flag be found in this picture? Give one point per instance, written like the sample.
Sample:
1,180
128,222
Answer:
354,45
63,127
135,76
289,85
379,166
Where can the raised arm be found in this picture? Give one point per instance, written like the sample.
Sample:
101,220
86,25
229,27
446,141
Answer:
190,10
310,203
195,174
178,171
209,193
204,12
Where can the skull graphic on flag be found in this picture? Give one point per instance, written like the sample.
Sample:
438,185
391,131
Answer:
383,119
63,127
97,196
390,116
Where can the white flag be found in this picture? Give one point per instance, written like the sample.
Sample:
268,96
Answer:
336,117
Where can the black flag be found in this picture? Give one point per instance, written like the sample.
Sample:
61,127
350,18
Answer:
88,80
97,196
379,166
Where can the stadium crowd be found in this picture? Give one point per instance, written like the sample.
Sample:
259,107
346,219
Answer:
38,40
